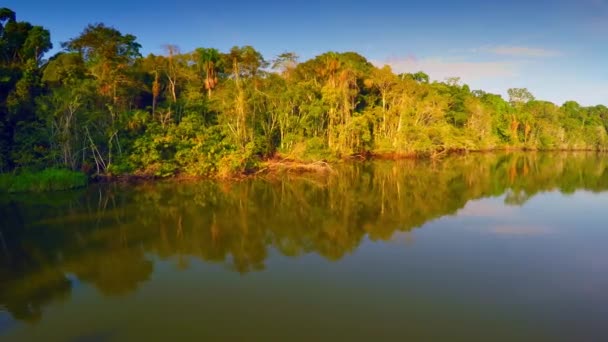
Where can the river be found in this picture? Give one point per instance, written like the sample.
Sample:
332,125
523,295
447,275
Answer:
501,247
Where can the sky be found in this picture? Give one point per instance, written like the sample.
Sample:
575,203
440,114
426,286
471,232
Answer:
557,49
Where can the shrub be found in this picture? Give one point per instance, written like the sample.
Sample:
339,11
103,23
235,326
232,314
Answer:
46,180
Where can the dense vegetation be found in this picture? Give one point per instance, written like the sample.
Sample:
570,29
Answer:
110,236
45,180
100,107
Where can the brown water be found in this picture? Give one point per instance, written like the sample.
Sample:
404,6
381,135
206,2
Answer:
504,247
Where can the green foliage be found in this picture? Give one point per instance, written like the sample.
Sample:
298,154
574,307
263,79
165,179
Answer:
46,180
100,107
238,162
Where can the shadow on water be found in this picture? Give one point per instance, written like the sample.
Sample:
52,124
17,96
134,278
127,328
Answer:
105,235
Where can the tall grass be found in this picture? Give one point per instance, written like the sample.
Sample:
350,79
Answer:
46,180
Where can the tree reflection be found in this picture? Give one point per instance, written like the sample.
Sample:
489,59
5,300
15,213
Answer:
107,236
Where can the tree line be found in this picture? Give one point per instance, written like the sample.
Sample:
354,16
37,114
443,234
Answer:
99,106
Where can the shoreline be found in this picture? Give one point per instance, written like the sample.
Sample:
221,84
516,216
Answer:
277,166
271,167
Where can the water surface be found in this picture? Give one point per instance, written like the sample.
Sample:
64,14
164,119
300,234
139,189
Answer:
502,247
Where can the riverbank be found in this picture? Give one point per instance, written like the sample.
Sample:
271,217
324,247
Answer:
45,180
274,166
279,164
60,179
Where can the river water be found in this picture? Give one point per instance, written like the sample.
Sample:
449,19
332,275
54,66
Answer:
501,247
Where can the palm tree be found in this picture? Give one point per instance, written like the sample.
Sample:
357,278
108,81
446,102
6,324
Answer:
210,61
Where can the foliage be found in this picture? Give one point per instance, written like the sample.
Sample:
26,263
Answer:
47,180
100,107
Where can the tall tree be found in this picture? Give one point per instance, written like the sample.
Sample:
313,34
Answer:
210,61
22,46
108,55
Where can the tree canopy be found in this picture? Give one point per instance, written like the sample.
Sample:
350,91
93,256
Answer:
101,107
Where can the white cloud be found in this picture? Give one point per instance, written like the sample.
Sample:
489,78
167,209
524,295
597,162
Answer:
440,68
520,51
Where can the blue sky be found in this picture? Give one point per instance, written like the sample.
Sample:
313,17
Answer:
557,49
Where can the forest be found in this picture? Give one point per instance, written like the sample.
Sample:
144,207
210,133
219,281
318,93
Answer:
99,107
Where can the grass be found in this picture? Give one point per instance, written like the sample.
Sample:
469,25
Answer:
46,180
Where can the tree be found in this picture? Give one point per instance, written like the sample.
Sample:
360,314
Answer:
172,68
384,80
285,63
419,77
100,104
22,46
154,65
210,61
453,81
518,96
108,55
244,61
